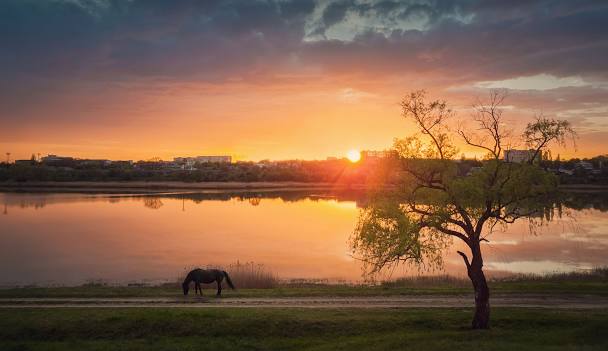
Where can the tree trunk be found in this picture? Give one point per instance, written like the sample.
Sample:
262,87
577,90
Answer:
481,319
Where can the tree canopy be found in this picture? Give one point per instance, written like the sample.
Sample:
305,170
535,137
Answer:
433,204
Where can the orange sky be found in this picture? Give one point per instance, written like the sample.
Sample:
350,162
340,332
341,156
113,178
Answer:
288,80
272,124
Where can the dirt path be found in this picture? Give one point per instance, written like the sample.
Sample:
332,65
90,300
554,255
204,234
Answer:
534,301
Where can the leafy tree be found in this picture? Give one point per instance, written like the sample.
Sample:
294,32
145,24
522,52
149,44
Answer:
432,204
544,131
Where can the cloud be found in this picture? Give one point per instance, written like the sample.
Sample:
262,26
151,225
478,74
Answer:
560,45
213,40
536,82
219,40
344,20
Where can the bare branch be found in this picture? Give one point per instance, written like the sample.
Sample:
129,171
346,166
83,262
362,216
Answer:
430,119
488,117
465,258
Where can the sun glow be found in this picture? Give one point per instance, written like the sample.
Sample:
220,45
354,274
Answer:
353,155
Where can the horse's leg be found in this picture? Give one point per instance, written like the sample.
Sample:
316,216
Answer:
200,289
219,287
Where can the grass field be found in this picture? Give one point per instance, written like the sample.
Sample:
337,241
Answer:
299,329
582,288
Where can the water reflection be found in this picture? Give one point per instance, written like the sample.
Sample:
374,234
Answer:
70,238
155,201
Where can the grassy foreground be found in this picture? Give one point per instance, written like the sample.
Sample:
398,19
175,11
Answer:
298,329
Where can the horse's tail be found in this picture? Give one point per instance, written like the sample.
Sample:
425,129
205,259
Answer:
228,280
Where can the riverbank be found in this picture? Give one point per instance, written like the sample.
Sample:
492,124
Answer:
154,187
164,186
592,283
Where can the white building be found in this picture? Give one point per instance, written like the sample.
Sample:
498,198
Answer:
189,162
519,156
214,159
588,166
371,154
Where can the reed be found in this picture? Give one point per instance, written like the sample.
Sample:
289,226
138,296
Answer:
250,275
247,275
431,281
596,274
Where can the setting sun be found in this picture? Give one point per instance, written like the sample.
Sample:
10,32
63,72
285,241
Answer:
353,155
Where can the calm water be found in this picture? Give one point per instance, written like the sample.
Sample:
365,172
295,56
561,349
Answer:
71,238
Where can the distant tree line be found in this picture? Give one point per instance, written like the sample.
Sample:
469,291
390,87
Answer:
327,171
338,171
573,171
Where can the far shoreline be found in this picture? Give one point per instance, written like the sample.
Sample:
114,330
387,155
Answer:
162,186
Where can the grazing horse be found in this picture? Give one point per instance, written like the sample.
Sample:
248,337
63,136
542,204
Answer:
206,276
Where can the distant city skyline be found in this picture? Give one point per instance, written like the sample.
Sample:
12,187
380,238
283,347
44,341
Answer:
515,155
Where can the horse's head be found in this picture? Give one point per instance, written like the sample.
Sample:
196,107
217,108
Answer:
185,287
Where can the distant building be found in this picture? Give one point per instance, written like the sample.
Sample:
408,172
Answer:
266,163
122,164
155,164
474,170
588,166
188,163
374,155
24,162
95,163
520,156
214,159
54,160
203,159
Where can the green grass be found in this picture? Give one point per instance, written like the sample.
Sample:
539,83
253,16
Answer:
298,329
499,287
284,291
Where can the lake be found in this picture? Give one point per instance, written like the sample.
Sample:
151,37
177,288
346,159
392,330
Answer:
69,239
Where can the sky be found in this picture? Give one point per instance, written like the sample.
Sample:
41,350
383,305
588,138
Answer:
136,79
